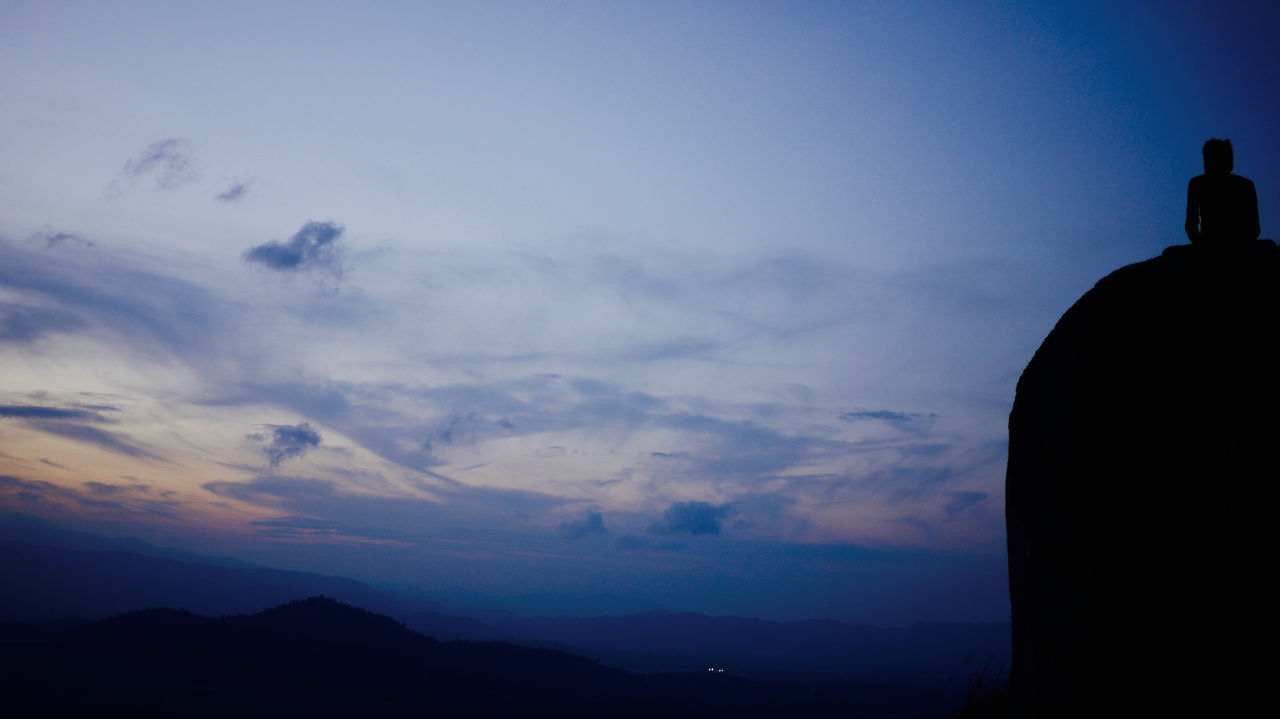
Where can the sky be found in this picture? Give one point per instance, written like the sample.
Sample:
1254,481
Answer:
581,307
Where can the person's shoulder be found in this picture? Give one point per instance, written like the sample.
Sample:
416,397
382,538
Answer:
1241,181
1197,180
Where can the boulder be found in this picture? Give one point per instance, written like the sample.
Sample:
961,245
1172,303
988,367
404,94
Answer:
1143,451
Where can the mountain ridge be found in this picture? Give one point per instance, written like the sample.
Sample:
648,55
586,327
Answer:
324,658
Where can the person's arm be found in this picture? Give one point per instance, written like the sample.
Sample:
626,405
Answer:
1193,212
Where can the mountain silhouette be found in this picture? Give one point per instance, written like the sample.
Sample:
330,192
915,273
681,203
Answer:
53,583
1139,491
924,655
318,657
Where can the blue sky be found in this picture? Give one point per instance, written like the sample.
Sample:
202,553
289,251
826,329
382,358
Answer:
576,307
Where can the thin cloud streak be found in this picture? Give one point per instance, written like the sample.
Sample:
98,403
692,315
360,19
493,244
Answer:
167,161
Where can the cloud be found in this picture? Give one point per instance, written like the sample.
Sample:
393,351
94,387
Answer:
39,412
116,490
137,498
910,422
592,523
288,441
463,428
692,518
52,238
112,441
774,514
960,501
312,246
271,491
168,161
233,193
94,288
26,324
329,504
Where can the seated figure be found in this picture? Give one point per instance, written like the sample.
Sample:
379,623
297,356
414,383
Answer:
1222,208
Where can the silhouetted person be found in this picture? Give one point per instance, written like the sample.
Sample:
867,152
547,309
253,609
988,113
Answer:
1222,208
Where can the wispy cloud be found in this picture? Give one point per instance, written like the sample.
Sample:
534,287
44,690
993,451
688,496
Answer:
94,289
906,421
120,501
43,412
236,192
167,161
24,324
117,442
392,514
50,237
960,501
314,246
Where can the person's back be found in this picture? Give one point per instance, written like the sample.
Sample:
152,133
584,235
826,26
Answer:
1222,208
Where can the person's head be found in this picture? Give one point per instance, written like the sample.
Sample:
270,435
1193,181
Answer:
1218,157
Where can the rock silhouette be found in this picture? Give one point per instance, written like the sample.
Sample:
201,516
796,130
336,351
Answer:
1141,463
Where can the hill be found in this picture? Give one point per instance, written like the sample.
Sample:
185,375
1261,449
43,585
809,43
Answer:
317,657
51,583
1139,491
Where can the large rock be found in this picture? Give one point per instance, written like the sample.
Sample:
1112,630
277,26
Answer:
1143,449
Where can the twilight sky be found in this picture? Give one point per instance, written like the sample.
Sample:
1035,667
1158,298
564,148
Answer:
581,306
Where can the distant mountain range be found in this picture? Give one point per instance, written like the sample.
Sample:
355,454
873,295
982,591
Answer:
83,579
318,657
925,655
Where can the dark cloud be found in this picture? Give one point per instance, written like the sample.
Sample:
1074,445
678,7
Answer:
233,193
131,499
52,238
315,245
38,412
36,491
287,441
692,518
168,161
464,428
26,324
592,523
959,501
906,421
272,490
95,289
116,490
113,441
880,414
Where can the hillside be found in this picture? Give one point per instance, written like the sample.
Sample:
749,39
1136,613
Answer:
1139,490
317,657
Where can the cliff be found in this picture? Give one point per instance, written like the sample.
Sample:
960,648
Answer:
1141,462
